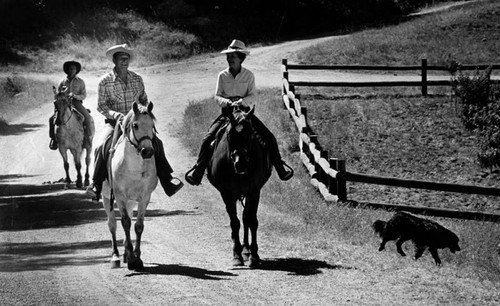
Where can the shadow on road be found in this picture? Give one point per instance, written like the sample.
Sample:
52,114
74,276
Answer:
298,266
18,129
29,207
18,257
193,272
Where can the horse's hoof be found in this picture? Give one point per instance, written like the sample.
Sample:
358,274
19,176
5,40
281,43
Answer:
238,261
254,262
125,258
135,265
115,262
86,183
246,254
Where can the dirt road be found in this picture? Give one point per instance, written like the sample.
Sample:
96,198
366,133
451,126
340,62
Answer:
55,245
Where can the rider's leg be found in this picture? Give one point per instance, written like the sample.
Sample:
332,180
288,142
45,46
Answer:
272,146
53,141
100,162
88,123
164,171
195,174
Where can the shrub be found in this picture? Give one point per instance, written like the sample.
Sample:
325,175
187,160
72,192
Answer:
480,113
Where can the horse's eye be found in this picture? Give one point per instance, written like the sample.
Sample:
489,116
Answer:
135,126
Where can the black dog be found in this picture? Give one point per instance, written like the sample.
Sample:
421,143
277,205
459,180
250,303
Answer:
424,234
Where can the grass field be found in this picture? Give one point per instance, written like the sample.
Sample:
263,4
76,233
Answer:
396,134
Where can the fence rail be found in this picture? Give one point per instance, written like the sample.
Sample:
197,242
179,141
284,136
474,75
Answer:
329,175
424,83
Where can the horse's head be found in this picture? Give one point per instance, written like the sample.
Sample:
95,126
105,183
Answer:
139,128
61,103
240,136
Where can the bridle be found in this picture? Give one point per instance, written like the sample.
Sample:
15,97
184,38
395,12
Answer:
137,142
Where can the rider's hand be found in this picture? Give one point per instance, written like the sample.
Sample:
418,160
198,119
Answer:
118,116
71,95
238,102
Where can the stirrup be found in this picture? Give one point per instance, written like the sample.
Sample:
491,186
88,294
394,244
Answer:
189,177
92,192
289,174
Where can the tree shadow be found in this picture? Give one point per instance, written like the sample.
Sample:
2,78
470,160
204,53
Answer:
199,273
18,129
18,257
28,207
298,266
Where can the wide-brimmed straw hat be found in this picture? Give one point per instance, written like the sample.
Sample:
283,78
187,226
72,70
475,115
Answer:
119,48
67,64
236,46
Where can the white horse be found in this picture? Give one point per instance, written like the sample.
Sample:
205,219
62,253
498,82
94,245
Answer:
69,134
132,179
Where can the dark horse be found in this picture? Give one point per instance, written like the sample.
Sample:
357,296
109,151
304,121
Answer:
238,169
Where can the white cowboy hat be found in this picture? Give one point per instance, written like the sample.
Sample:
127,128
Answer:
236,46
119,48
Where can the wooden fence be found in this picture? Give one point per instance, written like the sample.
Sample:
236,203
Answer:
329,175
424,83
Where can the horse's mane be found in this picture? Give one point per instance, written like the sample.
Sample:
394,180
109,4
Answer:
142,109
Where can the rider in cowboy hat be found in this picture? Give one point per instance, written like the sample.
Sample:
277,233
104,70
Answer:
234,84
118,90
77,93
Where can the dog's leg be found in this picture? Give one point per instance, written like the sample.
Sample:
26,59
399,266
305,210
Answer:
435,255
382,245
419,250
399,243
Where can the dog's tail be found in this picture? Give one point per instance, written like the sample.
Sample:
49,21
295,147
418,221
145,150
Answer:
379,227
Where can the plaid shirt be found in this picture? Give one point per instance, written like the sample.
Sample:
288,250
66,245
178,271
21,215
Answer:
75,86
117,96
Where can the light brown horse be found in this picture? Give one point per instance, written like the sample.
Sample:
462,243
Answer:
69,133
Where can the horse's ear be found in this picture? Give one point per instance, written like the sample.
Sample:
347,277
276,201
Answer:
251,111
135,107
150,106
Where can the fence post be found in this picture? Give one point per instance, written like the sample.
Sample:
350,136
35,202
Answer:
314,139
341,184
303,112
332,181
424,77
322,177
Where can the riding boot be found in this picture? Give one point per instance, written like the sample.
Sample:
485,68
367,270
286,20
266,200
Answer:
164,171
195,175
53,141
285,172
101,155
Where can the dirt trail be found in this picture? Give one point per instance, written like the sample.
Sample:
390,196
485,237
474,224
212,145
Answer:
55,244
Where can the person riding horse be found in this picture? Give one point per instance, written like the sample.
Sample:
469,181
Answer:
118,90
76,92
234,84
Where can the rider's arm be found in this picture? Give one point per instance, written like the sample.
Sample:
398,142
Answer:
219,95
102,102
80,92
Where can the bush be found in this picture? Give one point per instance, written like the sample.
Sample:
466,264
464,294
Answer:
481,113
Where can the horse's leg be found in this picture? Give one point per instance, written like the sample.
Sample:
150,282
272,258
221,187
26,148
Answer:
64,155
250,220
110,212
139,228
126,217
77,157
87,165
230,202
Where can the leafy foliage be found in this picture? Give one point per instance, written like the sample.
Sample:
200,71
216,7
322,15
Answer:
481,113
